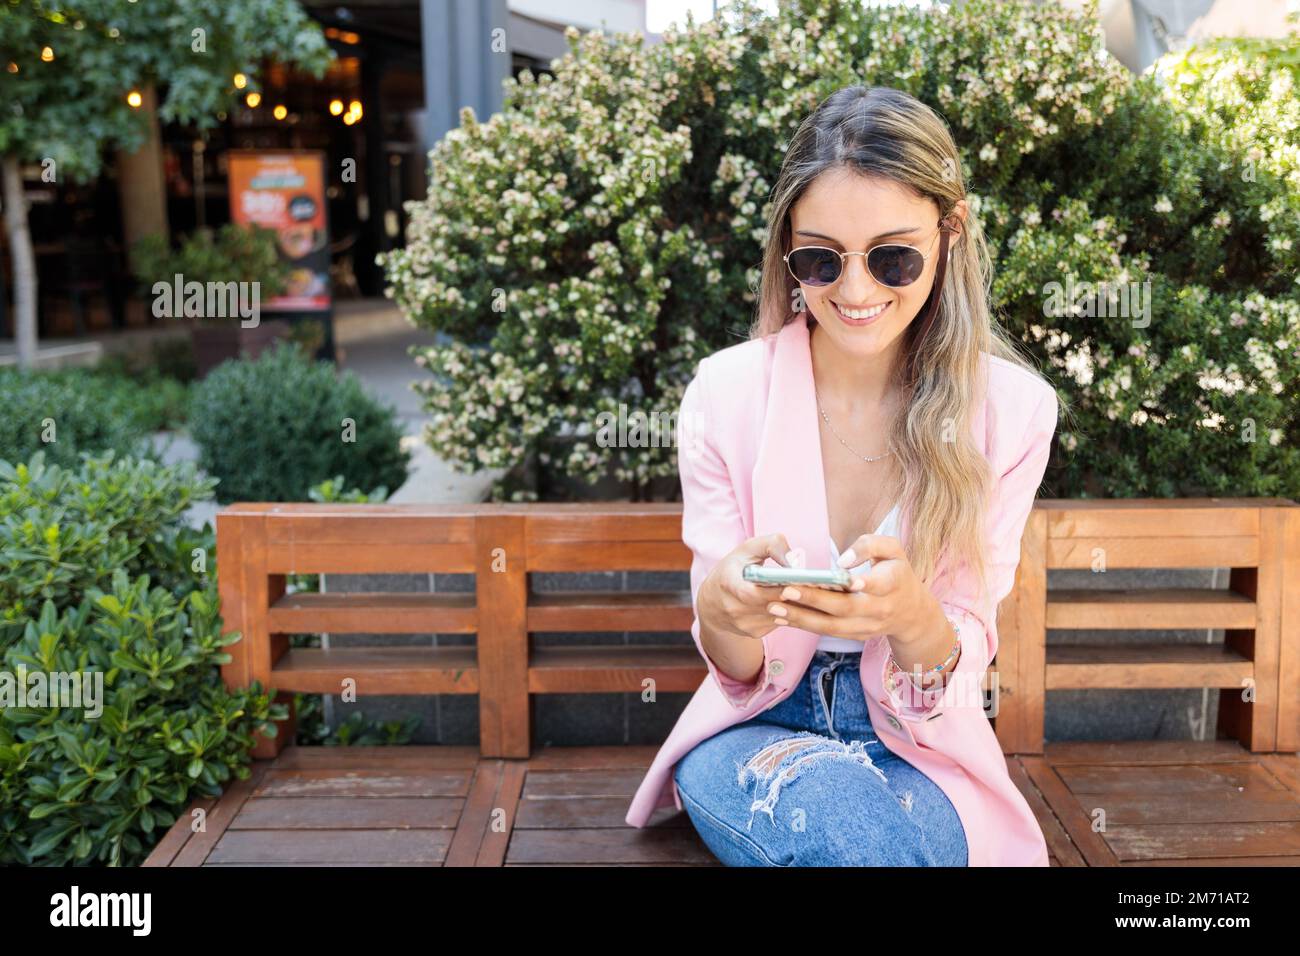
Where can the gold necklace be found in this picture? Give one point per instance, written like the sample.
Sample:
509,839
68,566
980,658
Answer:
851,449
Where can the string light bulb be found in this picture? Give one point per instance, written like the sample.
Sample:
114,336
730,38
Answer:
280,112
336,107
241,81
134,99
355,108
47,54
253,100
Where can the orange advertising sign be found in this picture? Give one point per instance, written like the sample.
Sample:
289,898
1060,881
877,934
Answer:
285,192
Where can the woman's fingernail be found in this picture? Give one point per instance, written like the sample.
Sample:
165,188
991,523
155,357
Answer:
848,559
789,594
776,609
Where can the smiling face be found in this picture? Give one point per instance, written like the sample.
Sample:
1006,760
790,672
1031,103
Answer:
845,211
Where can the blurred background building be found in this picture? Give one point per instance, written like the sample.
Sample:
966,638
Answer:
1139,32
403,71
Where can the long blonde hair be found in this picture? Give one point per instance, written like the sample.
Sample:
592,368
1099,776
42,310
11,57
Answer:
882,132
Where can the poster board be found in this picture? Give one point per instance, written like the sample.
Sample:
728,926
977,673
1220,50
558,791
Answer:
284,191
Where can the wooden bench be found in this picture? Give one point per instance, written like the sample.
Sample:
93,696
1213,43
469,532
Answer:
1164,802
259,544
1258,539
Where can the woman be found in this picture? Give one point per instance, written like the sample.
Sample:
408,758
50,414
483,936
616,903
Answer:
879,420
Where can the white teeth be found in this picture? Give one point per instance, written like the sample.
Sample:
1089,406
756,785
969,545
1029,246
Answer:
861,313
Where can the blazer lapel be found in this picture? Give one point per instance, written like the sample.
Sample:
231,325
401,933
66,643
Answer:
788,484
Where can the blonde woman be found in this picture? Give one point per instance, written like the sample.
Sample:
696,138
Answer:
877,420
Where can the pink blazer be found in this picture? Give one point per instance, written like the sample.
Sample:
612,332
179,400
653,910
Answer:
750,461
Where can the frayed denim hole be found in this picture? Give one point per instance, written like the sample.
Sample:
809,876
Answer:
760,766
776,778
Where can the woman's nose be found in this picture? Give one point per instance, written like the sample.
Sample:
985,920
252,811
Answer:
856,285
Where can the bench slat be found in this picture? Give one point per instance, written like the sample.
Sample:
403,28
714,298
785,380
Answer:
373,613
1146,519
611,611
1157,551
590,669
303,557
614,556
378,670
1076,666
1148,609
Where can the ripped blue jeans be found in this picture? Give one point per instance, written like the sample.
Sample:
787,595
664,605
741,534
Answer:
808,783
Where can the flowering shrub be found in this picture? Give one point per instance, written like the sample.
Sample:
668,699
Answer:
585,247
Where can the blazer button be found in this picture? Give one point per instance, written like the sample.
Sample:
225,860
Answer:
775,668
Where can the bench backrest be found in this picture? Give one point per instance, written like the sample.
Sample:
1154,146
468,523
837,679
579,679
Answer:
258,545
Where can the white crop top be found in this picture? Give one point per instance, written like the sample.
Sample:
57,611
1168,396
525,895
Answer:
842,645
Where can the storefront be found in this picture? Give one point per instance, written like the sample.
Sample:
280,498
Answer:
367,114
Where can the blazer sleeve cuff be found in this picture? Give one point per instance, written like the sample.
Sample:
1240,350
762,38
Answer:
962,689
737,693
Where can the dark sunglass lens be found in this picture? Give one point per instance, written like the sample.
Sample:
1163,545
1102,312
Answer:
815,266
895,265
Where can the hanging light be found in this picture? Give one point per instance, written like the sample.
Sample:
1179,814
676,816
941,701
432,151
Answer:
47,54
336,107
253,99
280,112
355,108
349,119
134,99
241,81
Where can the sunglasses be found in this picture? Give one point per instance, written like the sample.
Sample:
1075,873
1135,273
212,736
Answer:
892,264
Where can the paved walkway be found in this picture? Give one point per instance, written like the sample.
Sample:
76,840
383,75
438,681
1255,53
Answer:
387,371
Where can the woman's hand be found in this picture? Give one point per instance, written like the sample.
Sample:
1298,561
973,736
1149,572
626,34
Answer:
729,604
887,599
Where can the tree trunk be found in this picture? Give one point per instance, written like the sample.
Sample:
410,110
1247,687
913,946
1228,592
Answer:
20,244
141,189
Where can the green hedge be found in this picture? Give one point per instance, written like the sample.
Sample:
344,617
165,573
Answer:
100,576
273,427
589,244
68,411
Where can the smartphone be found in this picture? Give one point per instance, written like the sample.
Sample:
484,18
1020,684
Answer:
833,579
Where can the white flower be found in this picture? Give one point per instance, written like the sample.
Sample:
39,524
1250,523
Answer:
1163,204
1079,364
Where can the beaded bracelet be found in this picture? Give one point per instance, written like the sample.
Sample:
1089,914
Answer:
895,670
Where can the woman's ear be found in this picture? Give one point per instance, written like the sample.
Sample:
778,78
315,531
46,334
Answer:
960,211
